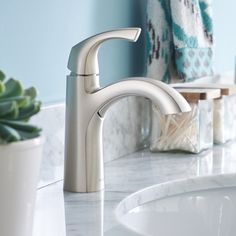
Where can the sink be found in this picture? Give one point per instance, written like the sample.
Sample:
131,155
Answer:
203,206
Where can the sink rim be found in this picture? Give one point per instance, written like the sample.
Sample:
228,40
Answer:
170,189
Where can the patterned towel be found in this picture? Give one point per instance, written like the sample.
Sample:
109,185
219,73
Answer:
179,40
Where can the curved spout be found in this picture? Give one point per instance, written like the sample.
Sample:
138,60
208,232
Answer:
167,99
85,113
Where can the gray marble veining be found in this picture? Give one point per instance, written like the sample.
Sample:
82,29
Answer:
172,188
51,120
126,129
94,214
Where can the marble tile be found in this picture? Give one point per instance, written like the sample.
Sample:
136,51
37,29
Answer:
126,130
164,174
50,212
52,121
126,127
174,188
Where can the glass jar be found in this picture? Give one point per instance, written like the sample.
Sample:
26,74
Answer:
225,119
224,124
189,132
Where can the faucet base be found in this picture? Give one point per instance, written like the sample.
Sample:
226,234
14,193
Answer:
94,151
84,167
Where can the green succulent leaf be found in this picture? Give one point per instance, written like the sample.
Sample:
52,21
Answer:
2,87
21,126
26,112
16,108
9,109
2,76
28,135
9,134
31,92
22,101
13,88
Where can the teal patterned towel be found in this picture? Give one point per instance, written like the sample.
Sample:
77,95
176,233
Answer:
179,40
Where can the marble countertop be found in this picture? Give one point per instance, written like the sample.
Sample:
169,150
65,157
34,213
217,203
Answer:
61,213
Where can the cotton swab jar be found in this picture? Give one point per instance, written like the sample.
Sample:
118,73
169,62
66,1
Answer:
224,124
189,132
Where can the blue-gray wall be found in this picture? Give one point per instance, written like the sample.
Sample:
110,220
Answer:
36,38
225,35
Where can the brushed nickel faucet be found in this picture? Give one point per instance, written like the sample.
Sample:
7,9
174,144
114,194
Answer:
87,103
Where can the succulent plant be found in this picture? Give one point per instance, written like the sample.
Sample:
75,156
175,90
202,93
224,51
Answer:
17,106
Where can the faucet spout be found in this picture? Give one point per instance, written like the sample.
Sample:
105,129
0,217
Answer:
168,100
87,103
85,113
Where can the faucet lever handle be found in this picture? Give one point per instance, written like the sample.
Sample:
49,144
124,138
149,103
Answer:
83,58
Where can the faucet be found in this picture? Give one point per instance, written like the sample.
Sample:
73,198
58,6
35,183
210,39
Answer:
87,103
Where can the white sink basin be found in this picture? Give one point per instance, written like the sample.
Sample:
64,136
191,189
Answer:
203,206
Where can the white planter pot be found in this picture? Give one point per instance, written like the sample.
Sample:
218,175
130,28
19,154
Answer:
19,172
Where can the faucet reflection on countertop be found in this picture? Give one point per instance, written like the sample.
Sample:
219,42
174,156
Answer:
87,103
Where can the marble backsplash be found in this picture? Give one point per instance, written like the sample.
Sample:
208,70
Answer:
126,129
